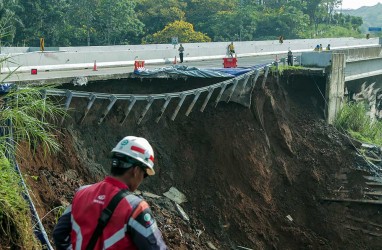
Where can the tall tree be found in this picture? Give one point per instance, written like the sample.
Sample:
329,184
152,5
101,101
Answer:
8,20
181,29
157,14
288,22
330,6
117,23
199,12
238,25
102,22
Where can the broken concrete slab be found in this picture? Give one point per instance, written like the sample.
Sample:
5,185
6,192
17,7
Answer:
182,213
289,218
211,246
175,195
151,195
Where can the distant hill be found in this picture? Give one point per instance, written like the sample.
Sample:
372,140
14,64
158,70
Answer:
372,16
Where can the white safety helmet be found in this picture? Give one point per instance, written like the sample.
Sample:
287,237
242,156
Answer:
139,149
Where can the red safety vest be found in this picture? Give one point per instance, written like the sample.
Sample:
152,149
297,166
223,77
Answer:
87,206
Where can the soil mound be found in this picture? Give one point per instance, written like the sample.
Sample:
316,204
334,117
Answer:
253,177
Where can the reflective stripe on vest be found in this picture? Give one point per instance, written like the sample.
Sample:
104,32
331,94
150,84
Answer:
76,228
145,232
132,199
115,238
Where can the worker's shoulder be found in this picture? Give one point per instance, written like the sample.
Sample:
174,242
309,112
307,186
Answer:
83,187
134,199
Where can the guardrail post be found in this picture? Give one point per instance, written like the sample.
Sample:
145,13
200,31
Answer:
254,80
193,103
69,96
113,99
44,95
210,91
92,98
182,98
163,109
245,82
129,108
235,82
150,101
223,86
265,76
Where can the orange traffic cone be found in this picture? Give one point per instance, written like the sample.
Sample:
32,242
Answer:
95,66
174,60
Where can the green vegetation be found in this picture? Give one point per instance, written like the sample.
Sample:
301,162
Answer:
30,116
280,69
28,112
15,217
371,16
109,22
354,119
338,31
181,29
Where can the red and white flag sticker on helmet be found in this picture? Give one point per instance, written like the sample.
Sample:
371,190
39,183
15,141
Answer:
146,153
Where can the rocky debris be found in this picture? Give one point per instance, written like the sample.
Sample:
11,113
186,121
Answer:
210,245
175,195
178,232
80,81
182,213
241,170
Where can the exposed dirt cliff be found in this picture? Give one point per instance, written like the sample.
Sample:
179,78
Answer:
243,170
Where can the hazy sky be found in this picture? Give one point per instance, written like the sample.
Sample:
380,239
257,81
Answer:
355,4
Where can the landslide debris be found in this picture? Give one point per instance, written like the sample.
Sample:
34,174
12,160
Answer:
252,177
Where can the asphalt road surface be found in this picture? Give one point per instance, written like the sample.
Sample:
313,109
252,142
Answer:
218,63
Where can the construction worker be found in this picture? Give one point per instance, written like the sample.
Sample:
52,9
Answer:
131,225
281,39
181,50
328,47
231,49
290,58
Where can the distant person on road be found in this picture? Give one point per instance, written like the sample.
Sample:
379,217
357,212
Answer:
317,48
231,49
320,48
367,36
328,47
91,222
281,39
181,50
290,58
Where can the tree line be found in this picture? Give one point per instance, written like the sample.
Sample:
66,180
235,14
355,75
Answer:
111,22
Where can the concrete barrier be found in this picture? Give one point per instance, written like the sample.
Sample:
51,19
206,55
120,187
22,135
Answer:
362,53
316,59
323,59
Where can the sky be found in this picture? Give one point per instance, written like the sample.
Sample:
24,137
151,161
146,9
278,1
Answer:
355,4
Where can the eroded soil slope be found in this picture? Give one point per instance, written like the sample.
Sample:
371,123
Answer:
243,170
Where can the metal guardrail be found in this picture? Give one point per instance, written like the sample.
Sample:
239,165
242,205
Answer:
167,97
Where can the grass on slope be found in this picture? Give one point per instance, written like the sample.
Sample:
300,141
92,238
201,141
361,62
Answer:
15,218
29,114
354,119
